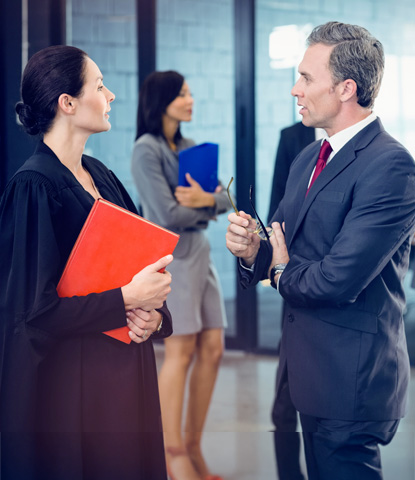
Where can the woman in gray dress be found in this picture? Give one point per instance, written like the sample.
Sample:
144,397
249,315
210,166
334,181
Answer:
196,301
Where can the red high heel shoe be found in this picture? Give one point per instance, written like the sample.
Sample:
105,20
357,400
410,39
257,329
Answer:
178,452
208,476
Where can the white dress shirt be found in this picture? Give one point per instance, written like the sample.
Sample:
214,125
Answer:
339,139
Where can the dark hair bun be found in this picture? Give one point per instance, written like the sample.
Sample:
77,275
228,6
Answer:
27,119
49,73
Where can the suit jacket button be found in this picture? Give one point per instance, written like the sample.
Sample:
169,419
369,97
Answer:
290,317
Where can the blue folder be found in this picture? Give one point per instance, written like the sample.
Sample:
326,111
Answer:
201,161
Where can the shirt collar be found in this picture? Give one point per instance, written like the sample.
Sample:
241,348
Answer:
339,139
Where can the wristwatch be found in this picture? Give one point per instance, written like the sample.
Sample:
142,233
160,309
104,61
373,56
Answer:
279,268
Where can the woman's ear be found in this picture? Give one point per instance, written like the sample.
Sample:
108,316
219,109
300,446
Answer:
66,103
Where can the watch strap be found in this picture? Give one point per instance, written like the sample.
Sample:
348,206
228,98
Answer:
279,268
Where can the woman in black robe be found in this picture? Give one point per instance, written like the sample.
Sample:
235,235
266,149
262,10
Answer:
74,403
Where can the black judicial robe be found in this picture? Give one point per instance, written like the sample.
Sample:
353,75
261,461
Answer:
74,403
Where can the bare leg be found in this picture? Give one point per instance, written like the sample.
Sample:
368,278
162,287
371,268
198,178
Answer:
179,353
209,351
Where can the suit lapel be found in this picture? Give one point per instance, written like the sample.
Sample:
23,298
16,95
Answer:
294,209
338,164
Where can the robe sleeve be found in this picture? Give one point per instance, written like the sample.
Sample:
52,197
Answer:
30,212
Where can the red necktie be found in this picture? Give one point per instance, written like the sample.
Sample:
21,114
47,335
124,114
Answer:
324,154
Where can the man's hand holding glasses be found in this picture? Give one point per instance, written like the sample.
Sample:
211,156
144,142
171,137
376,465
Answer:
241,240
263,232
245,233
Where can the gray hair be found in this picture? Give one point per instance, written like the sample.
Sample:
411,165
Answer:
356,55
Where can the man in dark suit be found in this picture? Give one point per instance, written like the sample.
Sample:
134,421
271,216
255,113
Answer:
293,139
338,256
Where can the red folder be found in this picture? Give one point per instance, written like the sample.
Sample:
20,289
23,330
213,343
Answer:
113,245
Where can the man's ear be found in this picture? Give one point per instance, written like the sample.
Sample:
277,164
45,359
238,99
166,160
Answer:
348,90
66,103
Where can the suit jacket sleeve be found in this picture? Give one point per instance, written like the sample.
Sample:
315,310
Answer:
378,221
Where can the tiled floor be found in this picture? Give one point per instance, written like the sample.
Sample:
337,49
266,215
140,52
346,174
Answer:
238,443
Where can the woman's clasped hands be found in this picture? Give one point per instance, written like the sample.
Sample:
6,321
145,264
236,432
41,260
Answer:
142,324
146,292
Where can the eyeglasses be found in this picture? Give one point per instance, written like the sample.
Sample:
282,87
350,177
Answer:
263,232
